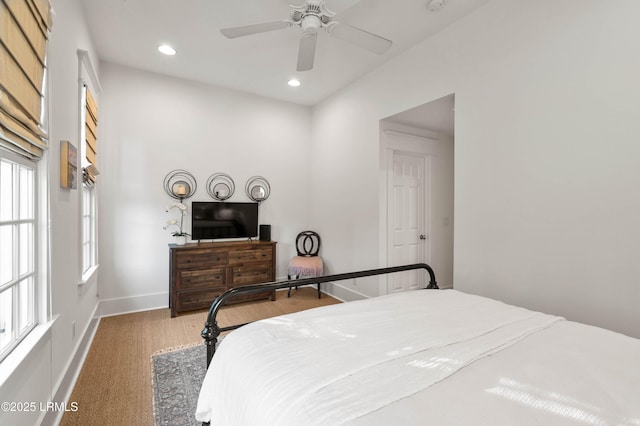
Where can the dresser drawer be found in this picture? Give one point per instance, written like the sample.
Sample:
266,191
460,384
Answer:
253,254
198,259
209,279
190,300
251,273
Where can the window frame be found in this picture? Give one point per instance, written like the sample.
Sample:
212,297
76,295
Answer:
34,271
88,243
88,203
88,194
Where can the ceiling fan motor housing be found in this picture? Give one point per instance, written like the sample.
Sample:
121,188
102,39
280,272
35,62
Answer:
311,16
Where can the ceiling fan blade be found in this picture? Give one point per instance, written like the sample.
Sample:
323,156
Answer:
307,52
263,27
361,38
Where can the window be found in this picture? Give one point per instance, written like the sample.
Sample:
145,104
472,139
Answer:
88,211
18,295
89,258
23,142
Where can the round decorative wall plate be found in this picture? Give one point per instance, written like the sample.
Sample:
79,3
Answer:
220,186
258,188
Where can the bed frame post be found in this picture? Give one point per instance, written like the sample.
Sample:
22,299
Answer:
210,334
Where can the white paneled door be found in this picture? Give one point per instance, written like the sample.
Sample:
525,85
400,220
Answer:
406,218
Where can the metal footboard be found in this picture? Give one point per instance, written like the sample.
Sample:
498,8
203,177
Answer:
212,331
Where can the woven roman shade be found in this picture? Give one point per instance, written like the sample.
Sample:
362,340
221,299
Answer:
91,138
24,30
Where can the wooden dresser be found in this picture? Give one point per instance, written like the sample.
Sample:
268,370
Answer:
199,272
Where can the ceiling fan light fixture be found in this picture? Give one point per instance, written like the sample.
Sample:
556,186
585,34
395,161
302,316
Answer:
310,24
165,49
294,82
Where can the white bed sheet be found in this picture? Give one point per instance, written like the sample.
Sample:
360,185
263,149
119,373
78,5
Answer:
568,374
437,357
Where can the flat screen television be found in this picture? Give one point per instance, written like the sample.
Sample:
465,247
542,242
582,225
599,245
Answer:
215,220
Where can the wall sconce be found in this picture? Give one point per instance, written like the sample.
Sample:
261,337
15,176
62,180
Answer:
220,186
180,184
258,188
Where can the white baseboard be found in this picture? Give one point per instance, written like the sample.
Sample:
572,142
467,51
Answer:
342,293
62,391
127,305
336,291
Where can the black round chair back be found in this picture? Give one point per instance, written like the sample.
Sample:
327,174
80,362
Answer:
308,243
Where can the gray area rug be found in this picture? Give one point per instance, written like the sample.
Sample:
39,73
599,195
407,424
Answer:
177,376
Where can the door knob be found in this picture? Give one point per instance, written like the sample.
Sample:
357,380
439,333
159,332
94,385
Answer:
423,237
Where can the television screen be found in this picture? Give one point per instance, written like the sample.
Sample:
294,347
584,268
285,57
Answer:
215,220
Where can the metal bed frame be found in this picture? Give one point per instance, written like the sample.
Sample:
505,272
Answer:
212,331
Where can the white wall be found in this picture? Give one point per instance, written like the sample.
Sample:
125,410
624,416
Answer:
345,186
151,125
546,155
73,302
43,375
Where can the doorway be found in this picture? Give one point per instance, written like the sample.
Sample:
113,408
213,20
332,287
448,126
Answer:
417,202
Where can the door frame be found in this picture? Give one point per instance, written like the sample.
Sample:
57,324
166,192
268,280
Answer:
394,141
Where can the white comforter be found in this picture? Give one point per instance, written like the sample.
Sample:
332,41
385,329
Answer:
380,360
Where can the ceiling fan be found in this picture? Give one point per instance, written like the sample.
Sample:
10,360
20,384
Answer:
311,17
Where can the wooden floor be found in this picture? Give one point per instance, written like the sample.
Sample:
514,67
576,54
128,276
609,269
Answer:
114,386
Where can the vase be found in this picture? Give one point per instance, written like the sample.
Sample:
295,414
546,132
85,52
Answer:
181,240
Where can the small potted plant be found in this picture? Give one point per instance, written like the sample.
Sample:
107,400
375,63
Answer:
181,236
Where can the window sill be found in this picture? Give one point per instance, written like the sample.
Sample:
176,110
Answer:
29,344
88,276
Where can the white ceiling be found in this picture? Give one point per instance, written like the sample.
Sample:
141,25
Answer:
128,32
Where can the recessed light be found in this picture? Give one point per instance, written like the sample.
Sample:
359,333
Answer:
294,82
166,49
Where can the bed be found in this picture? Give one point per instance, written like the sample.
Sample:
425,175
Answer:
419,357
